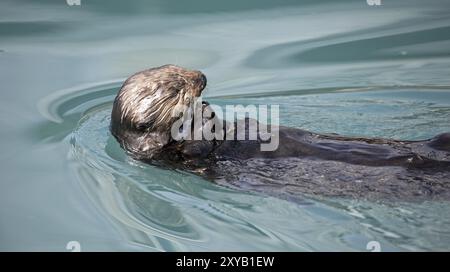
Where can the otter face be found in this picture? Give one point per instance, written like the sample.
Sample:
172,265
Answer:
143,111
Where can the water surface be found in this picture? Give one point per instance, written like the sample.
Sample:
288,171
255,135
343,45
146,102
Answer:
344,67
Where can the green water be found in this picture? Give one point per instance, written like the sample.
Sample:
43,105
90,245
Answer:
343,67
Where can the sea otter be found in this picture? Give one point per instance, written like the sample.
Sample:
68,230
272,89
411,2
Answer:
305,163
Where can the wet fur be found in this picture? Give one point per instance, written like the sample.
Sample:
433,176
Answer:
304,163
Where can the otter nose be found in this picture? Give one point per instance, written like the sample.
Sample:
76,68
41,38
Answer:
203,79
200,83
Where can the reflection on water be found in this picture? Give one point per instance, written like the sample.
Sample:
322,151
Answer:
340,67
169,210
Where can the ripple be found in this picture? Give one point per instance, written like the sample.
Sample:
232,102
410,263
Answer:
167,210
25,29
352,47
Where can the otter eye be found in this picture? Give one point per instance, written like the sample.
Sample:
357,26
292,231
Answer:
142,126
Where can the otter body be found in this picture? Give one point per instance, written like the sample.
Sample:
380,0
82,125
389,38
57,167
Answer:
304,162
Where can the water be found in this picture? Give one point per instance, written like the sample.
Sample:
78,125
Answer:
340,67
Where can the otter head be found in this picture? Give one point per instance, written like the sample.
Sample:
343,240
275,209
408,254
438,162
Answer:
145,107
